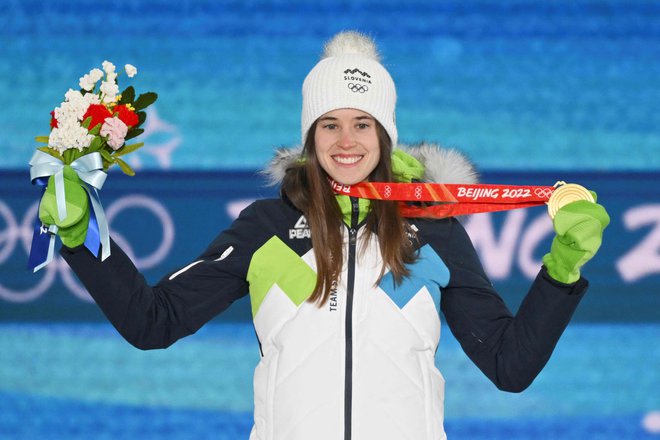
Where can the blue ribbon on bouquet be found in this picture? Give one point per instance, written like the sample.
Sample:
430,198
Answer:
90,170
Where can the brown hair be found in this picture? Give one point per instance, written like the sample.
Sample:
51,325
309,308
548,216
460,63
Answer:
307,186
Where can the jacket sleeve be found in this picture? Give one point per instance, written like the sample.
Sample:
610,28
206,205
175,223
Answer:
510,350
155,317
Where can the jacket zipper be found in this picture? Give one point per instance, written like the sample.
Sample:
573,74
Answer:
348,377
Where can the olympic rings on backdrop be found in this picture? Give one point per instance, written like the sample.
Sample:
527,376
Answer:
14,232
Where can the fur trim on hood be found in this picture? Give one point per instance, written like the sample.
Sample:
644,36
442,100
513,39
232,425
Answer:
442,165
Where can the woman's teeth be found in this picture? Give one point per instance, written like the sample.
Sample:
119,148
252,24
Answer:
347,160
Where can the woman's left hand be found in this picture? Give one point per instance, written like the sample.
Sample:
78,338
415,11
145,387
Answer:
579,229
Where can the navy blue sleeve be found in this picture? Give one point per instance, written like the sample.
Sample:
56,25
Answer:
511,350
155,317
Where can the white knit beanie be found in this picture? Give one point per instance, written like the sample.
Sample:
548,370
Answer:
349,75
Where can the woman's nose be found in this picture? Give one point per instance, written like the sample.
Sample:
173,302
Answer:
346,139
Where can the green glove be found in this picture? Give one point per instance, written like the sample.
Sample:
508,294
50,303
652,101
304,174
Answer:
72,229
579,227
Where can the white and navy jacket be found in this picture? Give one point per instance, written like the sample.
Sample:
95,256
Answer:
362,365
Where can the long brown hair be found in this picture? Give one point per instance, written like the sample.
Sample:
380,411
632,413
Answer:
306,185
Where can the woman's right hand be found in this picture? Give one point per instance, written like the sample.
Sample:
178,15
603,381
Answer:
73,228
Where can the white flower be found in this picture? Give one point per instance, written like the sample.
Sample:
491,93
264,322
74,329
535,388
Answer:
109,90
85,83
72,95
75,106
131,70
70,133
68,112
108,67
68,136
111,77
88,81
96,74
90,98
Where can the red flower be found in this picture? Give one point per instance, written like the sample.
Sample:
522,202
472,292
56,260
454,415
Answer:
127,116
98,112
53,121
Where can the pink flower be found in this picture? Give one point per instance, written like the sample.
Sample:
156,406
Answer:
115,130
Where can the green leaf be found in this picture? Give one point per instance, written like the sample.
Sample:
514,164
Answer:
69,156
128,149
96,130
41,139
145,100
87,121
106,155
133,133
142,116
95,145
108,160
52,152
127,96
125,167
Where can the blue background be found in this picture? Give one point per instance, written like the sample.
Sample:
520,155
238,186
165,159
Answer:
532,92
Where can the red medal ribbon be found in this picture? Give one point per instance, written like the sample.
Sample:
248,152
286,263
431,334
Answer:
451,199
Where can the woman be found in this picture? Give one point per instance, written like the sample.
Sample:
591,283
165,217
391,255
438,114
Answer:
346,293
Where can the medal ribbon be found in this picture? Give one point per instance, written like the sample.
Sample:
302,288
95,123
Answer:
449,199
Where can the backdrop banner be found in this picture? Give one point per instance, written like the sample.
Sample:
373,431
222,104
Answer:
163,220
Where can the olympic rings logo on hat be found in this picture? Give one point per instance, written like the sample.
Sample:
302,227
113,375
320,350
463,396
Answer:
357,87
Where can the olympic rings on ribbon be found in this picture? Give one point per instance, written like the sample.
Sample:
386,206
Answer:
543,192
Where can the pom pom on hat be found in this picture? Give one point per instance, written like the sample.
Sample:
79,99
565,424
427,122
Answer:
351,42
349,75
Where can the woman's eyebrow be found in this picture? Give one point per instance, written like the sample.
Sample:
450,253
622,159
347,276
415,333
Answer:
357,118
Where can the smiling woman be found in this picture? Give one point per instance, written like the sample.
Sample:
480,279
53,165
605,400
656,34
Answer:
347,145
348,314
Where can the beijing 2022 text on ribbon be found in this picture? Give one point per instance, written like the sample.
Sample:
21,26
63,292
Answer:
438,200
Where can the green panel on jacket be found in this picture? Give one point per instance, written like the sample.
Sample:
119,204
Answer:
275,262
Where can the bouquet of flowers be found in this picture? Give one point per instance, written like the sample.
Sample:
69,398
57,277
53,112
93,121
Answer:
89,131
98,119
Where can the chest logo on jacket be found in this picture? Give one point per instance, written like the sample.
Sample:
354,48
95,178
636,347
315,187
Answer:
300,229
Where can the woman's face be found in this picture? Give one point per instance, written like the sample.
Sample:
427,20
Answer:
347,145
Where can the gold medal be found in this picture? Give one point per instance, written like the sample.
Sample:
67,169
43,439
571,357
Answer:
566,193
